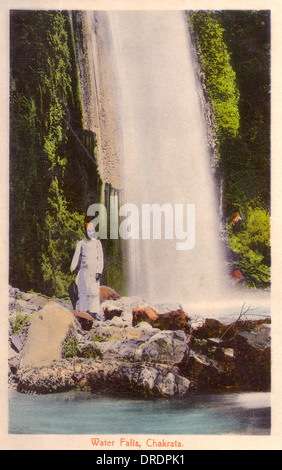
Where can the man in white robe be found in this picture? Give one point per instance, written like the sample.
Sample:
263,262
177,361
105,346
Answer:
88,261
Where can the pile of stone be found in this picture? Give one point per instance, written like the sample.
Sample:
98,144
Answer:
132,348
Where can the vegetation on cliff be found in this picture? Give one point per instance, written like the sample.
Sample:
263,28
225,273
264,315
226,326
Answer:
45,218
234,51
54,175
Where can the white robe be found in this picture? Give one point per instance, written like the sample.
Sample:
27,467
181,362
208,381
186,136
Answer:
88,259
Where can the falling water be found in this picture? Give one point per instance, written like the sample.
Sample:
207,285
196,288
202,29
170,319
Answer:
165,155
162,137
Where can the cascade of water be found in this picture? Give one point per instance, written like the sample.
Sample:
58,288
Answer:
165,155
149,90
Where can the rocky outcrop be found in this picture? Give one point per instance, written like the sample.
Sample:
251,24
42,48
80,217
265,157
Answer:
132,348
253,356
110,313
177,320
111,376
106,293
234,356
144,365
85,320
146,314
174,320
212,328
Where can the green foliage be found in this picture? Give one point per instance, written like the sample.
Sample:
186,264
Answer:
62,229
219,74
72,350
245,162
91,351
42,88
71,347
54,174
19,323
251,240
234,51
99,339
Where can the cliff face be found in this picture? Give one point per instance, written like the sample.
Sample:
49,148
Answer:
53,169
55,132
99,94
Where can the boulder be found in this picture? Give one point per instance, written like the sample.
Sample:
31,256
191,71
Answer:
110,313
47,333
211,328
13,363
16,343
39,300
107,332
146,314
205,374
27,295
237,327
162,382
140,379
89,349
120,308
177,320
165,347
239,361
169,347
107,293
84,319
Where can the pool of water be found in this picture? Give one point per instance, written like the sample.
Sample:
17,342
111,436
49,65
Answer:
86,413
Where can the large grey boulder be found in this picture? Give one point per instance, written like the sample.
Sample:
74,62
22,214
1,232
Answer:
47,333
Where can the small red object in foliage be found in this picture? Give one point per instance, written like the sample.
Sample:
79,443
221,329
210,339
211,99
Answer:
236,274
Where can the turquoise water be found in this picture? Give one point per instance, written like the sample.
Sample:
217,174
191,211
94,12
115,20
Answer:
86,413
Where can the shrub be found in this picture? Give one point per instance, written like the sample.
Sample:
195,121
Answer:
219,74
19,323
252,243
71,347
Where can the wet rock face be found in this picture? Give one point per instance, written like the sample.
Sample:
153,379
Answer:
131,348
234,356
142,379
112,377
253,356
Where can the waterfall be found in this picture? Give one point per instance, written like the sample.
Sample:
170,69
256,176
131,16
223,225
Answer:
153,139
165,155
